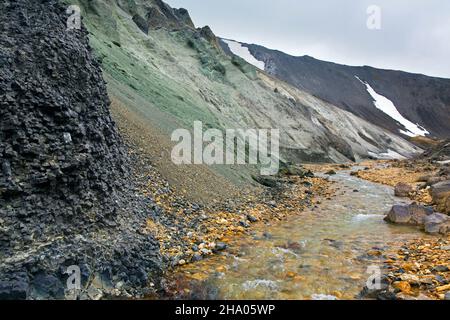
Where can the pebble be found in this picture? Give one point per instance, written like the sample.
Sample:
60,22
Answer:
220,246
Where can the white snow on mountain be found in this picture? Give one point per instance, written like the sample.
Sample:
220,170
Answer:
243,52
387,106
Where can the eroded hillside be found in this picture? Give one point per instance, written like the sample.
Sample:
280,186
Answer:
170,74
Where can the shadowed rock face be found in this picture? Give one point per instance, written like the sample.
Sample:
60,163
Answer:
422,100
65,180
155,14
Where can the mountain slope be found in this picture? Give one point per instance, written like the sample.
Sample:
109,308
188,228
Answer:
423,102
67,191
171,74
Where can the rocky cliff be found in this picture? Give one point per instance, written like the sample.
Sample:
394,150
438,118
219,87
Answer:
67,191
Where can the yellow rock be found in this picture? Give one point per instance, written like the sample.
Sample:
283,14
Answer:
443,288
403,286
198,276
290,274
299,278
220,269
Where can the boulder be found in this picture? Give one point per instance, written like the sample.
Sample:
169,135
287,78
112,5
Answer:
435,222
423,178
419,213
403,190
440,193
15,287
48,287
399,214
433,180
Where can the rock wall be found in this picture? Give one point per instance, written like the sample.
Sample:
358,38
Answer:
67,195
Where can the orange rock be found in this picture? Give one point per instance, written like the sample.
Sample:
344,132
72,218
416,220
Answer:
221,269
403,286
291,274
443,288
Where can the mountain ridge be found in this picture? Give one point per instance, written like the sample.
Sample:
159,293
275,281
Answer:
336,84
182,76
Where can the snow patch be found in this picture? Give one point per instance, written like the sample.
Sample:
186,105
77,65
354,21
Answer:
387,106
243,52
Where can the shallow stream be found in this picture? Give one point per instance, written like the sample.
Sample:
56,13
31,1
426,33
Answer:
320,254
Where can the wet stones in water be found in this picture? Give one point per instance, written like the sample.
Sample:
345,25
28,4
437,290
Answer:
335,243
267,235
330,173
264,236
296,247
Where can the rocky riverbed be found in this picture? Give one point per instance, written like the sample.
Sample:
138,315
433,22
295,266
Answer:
291,259
418,270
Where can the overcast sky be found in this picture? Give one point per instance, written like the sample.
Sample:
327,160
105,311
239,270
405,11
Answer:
414,34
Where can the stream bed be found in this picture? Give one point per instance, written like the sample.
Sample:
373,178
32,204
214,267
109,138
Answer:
322,253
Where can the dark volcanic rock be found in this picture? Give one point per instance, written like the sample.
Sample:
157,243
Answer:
66,184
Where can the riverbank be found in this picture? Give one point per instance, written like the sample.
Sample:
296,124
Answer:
320,253
419,270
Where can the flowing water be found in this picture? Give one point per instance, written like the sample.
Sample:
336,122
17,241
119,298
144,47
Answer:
322,253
